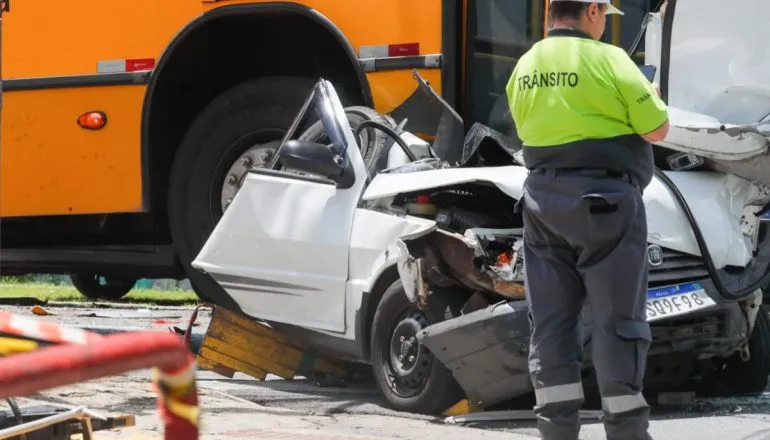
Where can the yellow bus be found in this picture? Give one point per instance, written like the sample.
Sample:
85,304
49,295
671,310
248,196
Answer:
126,124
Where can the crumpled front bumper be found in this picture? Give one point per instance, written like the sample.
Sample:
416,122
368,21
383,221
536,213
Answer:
487,350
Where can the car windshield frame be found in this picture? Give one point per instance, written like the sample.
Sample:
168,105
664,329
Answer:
320,99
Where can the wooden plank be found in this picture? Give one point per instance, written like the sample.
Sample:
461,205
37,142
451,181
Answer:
251,355
232,363
247,324
245,340
208,364
236,337
267,348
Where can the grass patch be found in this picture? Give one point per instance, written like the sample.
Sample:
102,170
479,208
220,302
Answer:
50,292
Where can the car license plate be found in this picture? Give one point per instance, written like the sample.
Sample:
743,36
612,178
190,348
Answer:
665,302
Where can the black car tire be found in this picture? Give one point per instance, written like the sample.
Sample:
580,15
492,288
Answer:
254,112
438,390
750,377
89,284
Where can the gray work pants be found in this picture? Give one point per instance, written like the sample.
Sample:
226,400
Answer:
585,237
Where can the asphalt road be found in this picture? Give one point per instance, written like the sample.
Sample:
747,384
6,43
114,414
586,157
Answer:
358,409
740,418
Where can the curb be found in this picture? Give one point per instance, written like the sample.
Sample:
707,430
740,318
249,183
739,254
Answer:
196,339
109,305
23,301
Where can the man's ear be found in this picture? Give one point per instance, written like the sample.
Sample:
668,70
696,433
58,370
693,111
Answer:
594,11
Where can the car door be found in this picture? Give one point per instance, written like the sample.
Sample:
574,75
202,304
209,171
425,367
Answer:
281,249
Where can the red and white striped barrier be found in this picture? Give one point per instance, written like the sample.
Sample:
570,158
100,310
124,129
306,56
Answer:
78,356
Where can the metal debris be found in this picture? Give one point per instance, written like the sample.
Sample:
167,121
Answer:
133,314
501,416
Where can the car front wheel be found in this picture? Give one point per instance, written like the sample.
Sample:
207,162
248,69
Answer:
407,373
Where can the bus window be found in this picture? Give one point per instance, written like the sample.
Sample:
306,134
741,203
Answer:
499,33
622,30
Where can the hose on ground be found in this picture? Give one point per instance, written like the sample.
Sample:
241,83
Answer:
98,356
17,415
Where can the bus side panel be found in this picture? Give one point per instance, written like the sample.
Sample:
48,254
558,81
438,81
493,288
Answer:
384,22
51,166
43,38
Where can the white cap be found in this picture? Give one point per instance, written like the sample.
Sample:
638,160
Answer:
611,9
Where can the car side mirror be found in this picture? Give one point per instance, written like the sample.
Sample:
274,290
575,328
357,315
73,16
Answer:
317,159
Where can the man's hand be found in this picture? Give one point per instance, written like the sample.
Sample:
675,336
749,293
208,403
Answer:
657,89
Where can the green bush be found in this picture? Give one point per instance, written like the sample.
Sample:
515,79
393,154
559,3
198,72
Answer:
29,278
64,280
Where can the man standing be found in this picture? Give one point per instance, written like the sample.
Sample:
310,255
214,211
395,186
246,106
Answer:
585,114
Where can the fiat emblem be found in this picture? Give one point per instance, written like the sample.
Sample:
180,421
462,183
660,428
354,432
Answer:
654,255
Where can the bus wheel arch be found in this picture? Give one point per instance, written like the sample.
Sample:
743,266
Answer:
209,56
207,59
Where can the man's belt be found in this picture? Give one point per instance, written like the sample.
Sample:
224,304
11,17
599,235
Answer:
598,173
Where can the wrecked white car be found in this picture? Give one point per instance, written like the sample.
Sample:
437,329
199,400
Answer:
381,253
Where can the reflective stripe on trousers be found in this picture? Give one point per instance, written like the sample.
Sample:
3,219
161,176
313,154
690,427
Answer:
559,393
622,404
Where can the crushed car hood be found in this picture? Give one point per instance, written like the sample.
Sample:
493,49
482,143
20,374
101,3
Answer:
508,179
716,200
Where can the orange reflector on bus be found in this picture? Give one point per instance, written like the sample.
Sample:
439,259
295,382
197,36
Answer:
92,120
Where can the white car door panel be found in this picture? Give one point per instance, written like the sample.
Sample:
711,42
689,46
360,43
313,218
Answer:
281,249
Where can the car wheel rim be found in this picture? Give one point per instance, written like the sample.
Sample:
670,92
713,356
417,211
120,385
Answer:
256,156
408,362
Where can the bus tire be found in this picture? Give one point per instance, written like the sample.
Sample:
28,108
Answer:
113,289
252,114
373,142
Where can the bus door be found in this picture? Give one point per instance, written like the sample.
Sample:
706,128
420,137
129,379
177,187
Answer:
498,33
